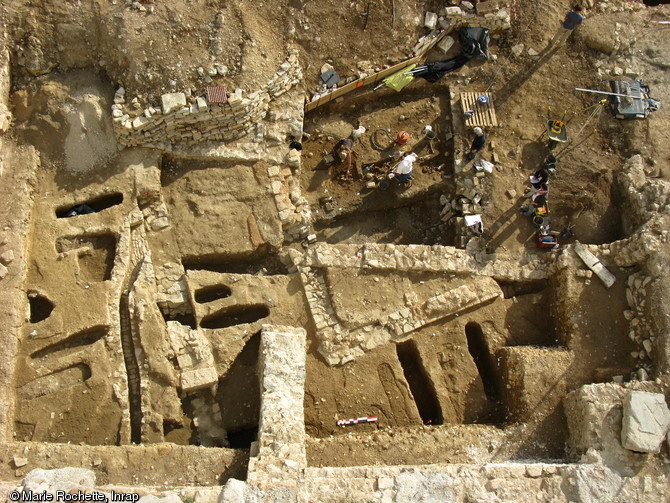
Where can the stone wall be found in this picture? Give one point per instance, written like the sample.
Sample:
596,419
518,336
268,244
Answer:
5,113
486,16
177,120
594,413
14,243
279,453
339,344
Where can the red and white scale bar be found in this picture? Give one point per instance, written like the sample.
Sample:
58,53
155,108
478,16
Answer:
365,419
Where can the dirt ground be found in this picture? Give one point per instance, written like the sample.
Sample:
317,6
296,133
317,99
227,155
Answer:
486,383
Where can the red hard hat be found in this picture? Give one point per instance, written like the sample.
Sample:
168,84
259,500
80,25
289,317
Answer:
403,137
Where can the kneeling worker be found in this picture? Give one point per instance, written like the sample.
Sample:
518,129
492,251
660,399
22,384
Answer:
477,143
403,171
347,156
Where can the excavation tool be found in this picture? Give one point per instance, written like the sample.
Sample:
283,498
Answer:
365,419
367,16
557,130
430,135
381,139
628,99
595,114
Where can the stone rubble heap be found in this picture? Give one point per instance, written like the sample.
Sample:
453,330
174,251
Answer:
611,6
178,121
6,258
194,357
488,15
641,329
644,196
470,190
198,379
172,295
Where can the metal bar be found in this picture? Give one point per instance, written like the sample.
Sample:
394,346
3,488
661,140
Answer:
604,92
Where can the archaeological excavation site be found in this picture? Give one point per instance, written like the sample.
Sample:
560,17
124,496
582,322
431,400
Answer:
335,251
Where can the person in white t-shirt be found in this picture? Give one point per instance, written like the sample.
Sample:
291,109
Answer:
403,171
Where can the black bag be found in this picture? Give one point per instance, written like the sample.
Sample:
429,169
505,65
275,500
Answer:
475,43
435,71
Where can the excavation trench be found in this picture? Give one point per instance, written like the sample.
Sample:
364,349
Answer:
479,350
211,293
80,339
239,396
420,384
97,204
236,315
40,307
411,223
263,263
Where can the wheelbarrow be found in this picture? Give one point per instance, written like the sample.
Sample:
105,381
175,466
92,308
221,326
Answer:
557,130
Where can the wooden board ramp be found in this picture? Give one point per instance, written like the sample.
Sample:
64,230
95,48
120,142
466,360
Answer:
424,45
484,115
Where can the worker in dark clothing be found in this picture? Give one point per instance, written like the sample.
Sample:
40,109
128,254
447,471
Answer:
540,178
572,20
537,201
477,143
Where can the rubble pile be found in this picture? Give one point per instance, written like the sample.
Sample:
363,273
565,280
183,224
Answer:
641,329
488,14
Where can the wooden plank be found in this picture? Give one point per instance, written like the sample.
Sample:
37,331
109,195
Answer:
375,77
429,42
484,115
494,119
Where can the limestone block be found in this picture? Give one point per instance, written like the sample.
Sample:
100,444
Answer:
430,21
7,257
293,159
19,461
198,378
234,491
453,11
484,7
446,43
138,122
64,479
172,102
646,419
3,271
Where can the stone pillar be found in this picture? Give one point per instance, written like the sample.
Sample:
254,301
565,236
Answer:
5,83
278,457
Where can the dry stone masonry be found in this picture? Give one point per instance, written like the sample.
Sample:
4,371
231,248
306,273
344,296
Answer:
180,121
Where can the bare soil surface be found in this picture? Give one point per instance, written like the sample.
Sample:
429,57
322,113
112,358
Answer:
487,384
